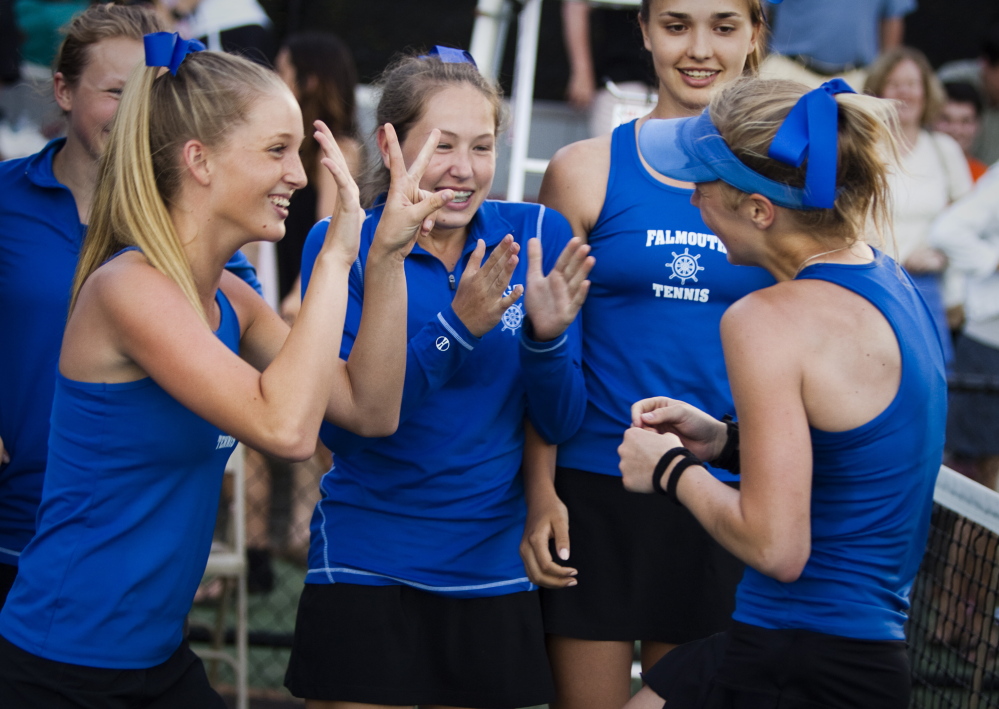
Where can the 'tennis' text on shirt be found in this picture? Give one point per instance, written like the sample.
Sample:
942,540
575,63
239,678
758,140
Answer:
664,237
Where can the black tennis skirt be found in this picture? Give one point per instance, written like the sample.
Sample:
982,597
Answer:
31,682
402,646
647,569
755,667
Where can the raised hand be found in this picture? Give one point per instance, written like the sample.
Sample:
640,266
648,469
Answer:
344,231
701,433
553,301
480,301
408,209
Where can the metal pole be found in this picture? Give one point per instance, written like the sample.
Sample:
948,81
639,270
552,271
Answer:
523,95
489,34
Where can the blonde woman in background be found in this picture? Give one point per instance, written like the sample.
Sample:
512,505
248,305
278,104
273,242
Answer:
933,174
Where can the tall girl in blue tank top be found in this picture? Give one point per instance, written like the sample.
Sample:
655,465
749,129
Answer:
168,360
838,377
650,324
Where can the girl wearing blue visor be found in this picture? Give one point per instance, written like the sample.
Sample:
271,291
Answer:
838,377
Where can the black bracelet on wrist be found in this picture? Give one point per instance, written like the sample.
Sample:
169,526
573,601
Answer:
668,457
687,459
728,459
674,477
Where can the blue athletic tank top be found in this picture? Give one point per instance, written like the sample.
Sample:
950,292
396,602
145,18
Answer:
125,524
872,487
659,288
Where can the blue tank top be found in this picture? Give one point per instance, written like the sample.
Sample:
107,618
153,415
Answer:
659,288
872,487
125,523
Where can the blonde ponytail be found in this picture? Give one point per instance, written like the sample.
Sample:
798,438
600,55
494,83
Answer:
139,173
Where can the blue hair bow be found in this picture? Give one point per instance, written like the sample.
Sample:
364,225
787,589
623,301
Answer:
168,49
450,55
811,130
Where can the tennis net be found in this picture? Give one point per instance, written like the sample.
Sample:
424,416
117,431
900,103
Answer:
953,628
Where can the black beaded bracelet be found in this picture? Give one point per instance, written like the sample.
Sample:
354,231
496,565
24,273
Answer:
728,459
668,457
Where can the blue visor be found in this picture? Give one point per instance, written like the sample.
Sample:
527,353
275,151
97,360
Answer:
692,150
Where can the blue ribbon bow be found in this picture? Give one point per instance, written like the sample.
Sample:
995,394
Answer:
811,130
450,55
168,49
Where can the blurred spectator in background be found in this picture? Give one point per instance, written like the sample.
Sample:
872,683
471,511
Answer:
815,40
9,41
9,57
968,233
983,74
605,45
319,70
961,118
39,22
933,173
238,26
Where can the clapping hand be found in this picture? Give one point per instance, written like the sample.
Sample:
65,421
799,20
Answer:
553,301
482,296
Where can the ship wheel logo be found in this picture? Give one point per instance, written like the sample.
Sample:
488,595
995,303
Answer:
512,319
685,266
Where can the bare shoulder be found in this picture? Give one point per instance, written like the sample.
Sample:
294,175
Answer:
807,319
772,309
123,298
575,182
128,283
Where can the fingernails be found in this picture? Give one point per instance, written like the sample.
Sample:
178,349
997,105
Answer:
563,554
572,582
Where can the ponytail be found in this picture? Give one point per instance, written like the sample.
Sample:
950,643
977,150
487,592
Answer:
140,170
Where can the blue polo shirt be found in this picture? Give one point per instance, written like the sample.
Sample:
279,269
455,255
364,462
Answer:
40,240
439,505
